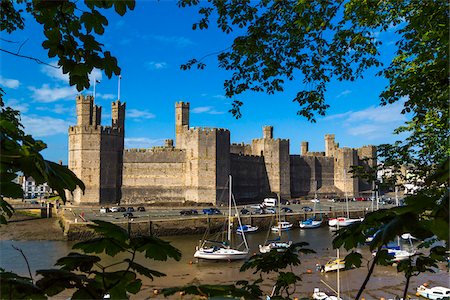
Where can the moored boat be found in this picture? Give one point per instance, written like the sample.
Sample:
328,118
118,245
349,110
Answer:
282,226
437,292
318,295
247,229
333,265
310,223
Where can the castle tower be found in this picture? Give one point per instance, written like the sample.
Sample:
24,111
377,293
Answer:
96,152
276,159
181,123
304,148
330,145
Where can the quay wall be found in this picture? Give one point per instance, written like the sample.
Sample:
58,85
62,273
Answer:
188,225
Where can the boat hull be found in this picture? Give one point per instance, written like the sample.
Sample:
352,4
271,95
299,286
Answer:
247,229
282,226
220,254
279,246
310,225
434,293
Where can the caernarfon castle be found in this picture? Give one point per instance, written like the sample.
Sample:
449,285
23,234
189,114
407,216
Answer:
196,168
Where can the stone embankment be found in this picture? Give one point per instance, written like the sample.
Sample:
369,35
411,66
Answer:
185,225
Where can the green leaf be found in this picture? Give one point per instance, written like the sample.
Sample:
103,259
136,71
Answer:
353,259
155,248
99,245
143,270
76,261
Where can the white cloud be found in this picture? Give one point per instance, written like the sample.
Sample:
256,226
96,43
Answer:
373,122
41,126
17,105
343,93
139,114
46,94
9,83
59,109
219,96
141,142
106,96
157,65
206,109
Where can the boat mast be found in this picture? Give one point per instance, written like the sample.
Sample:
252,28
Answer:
229,210
338,263
346,195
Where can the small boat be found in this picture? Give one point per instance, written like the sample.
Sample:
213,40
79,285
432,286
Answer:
333,265
397,254
310,223
222,250
408,236
343,222
318,295
282,226
274,245
437,292
246,229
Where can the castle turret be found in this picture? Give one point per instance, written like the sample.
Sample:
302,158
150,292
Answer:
304,148
276,160
181,123
330,145
268,132
84,110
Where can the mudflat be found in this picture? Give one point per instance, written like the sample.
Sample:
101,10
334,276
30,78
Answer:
24,227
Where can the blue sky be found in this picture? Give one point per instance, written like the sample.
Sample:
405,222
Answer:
151,43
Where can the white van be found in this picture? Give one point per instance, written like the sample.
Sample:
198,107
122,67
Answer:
270,202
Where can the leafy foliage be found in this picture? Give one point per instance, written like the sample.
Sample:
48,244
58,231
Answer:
70,29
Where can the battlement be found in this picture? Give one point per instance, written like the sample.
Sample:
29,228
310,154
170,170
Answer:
207,130
104,130
181,104
329,136
273,140
316,154
240,144
153,150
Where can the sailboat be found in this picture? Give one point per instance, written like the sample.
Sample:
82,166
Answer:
281,225
277,244
215,250
344,221
312,222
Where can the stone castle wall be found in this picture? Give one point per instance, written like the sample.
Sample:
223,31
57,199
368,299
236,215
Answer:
250,181
197,167
153,175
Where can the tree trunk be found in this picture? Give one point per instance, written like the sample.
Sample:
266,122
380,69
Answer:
369,274
405,292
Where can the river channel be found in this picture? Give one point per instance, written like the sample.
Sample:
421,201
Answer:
385,282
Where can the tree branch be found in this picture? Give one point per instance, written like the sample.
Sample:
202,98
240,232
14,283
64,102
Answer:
26,261
29,57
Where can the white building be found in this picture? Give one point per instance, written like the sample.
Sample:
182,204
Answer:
31,190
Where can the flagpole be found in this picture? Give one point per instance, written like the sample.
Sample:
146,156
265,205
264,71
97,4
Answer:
95,80
118,89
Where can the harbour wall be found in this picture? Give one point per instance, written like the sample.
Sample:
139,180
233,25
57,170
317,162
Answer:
190,225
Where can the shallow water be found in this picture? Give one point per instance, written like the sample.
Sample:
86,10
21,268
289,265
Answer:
385,282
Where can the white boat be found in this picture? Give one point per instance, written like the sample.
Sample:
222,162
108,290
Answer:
222,250
343,222
246,229
282,226
437,292
398,254
310,223
275,245
318,295
333,265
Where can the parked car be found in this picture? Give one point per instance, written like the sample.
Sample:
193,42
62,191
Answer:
128,215
104,210
188,212
122,209
285,202
130,209
307,209
245,211
360,199
296,201
212,211
270,211
286,210
141,208
114,209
